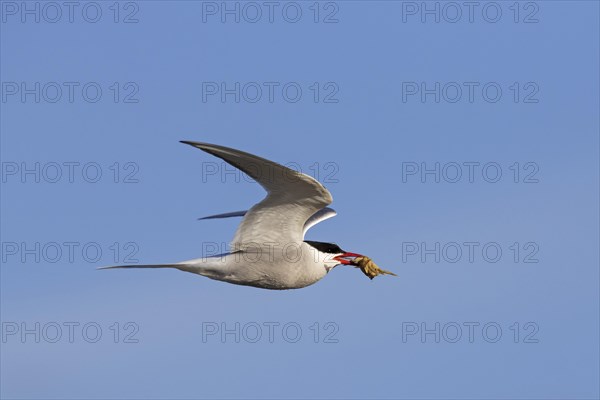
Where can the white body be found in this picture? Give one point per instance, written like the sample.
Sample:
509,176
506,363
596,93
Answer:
272,267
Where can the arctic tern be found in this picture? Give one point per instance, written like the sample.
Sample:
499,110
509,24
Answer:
268,249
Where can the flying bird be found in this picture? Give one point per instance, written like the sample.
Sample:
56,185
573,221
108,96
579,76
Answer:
268,249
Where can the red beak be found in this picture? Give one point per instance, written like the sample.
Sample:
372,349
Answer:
343,258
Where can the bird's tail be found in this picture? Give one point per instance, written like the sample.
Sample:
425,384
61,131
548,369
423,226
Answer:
211,267
140,266
181,266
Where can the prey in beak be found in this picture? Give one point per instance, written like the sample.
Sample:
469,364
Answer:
366,265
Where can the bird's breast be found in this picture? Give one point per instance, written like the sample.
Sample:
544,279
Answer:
273,270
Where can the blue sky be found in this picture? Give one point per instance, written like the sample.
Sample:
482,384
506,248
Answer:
406,119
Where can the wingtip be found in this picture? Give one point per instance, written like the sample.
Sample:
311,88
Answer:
113,267
198,145
206,218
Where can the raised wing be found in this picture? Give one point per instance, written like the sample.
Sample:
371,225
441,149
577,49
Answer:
317,217
292,198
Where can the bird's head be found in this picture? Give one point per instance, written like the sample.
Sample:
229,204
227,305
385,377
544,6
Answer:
332,254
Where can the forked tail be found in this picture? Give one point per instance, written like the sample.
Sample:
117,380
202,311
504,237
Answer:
178,266
210,267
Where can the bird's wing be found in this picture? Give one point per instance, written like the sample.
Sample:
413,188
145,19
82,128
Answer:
226,215
319,216
292,198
